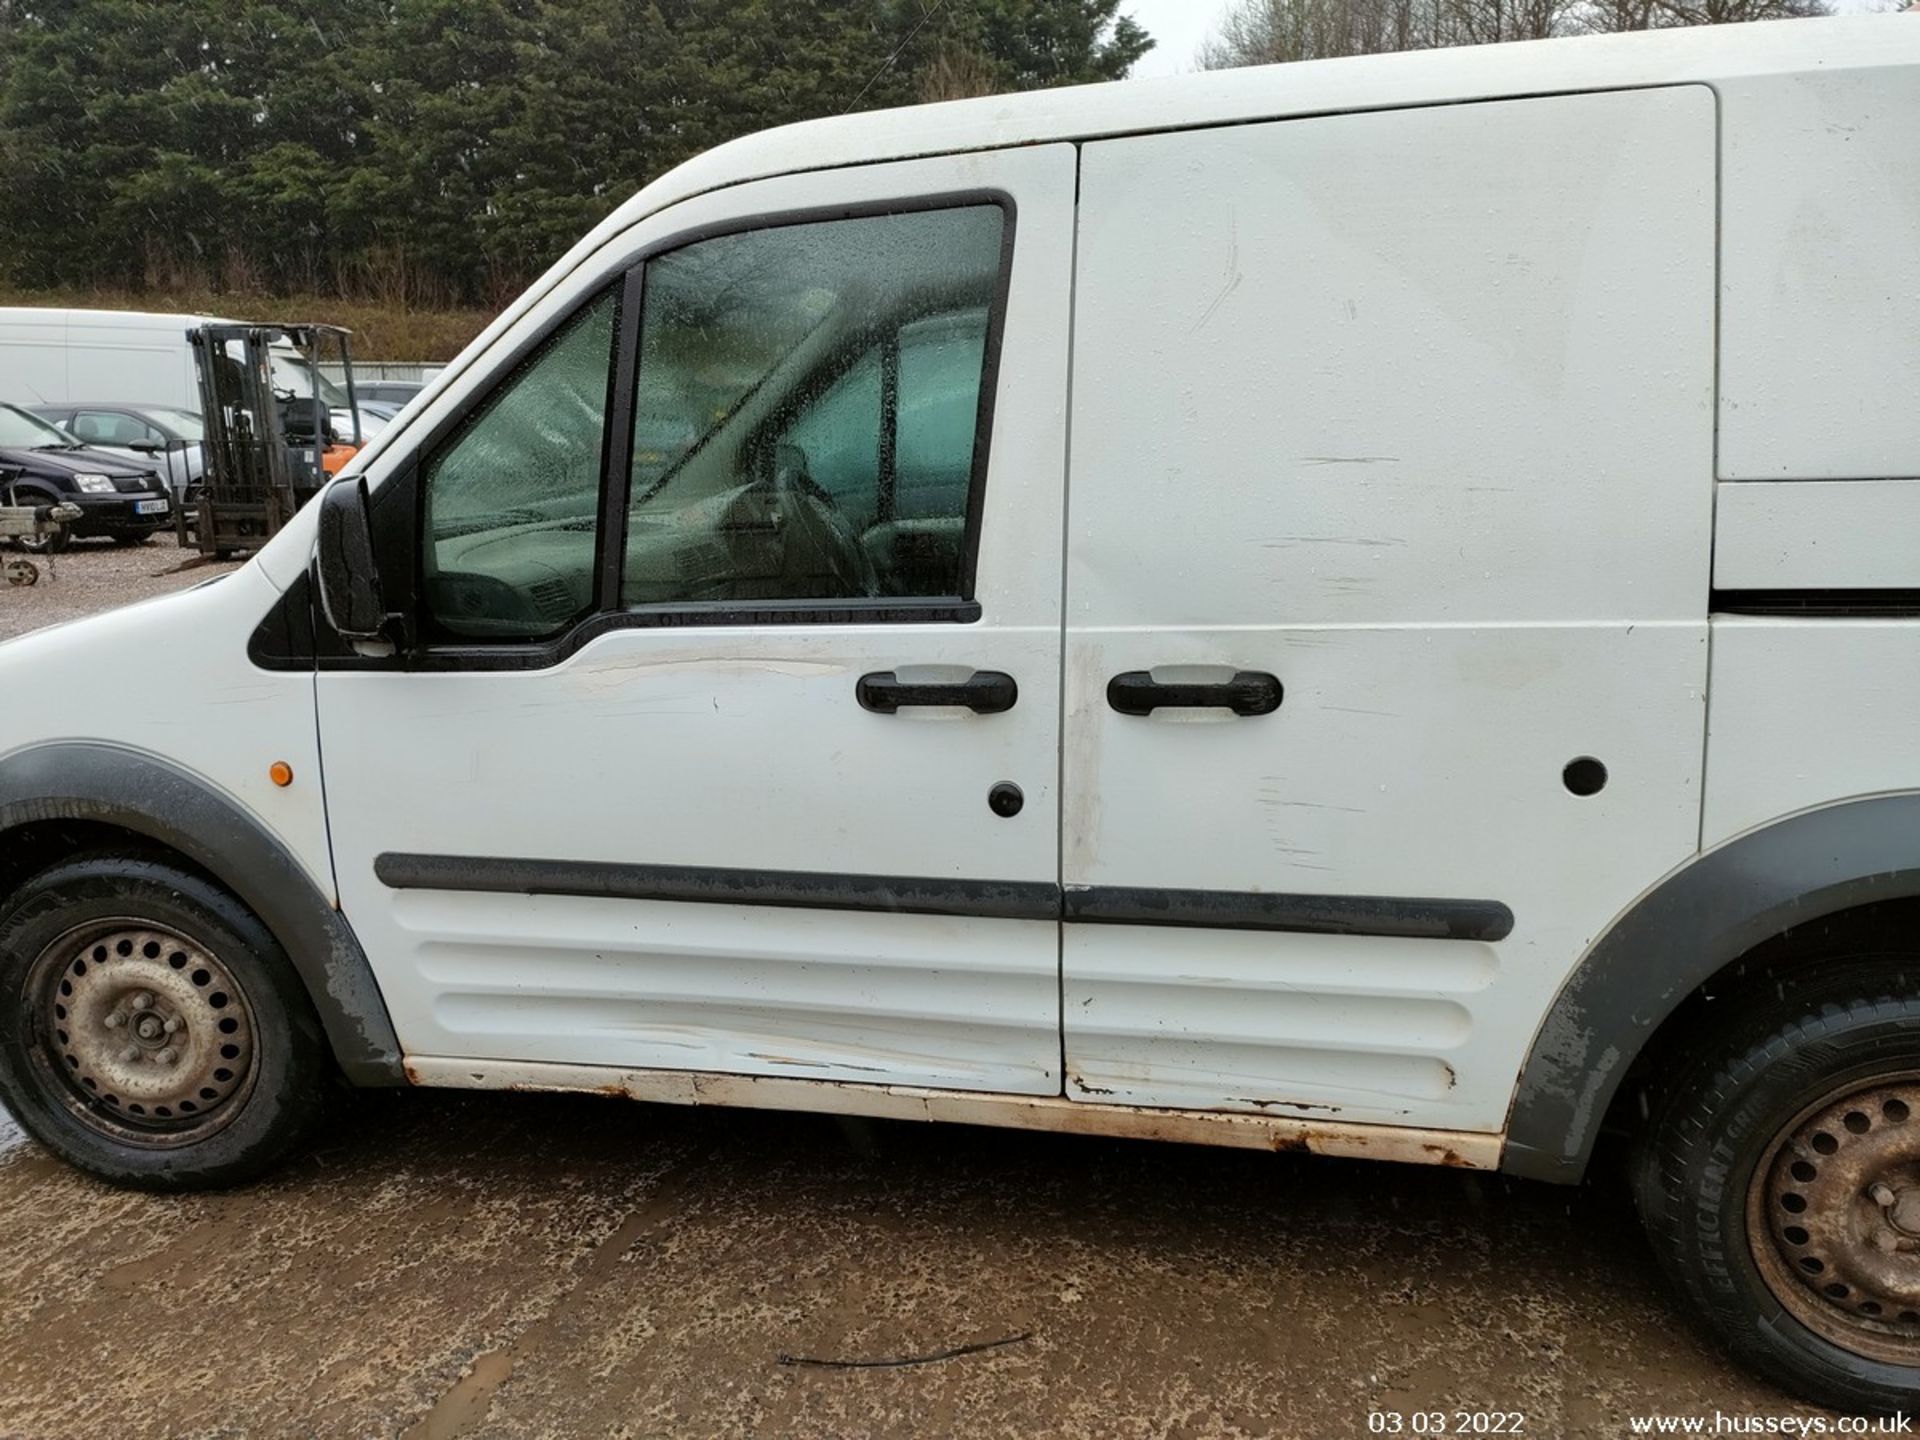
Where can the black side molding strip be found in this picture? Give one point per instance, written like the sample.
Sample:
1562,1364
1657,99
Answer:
801,889
1387,915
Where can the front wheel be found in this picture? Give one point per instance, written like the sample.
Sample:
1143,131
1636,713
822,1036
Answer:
1780,1184
152,1031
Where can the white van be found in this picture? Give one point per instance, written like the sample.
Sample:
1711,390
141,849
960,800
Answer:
1369,608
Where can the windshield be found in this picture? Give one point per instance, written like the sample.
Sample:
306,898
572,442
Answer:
186,424
21,431
291,371
293,374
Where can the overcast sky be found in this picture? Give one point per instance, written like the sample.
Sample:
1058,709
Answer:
1179,26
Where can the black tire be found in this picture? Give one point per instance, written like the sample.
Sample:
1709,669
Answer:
1717,1162
201,942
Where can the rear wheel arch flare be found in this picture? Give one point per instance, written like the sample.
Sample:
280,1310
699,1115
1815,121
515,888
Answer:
1691,927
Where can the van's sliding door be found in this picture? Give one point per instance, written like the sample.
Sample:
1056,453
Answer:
1390,503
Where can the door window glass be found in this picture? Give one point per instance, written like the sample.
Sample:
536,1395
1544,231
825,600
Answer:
805,423
513,500
108,428
839,436
940,365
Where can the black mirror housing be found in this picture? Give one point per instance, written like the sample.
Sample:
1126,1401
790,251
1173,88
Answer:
349,577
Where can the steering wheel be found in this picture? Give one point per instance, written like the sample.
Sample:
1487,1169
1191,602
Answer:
813,510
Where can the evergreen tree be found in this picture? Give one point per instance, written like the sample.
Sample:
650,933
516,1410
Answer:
439,150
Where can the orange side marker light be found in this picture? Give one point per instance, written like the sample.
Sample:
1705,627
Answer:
280,773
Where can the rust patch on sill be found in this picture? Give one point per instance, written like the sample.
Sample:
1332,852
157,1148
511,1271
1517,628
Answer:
1253,1129
614,1091
1302,1106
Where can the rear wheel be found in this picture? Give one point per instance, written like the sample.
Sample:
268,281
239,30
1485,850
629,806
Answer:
1833,1218
1780,1183
153,1032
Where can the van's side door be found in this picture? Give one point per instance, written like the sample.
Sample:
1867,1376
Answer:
737,594
1390,505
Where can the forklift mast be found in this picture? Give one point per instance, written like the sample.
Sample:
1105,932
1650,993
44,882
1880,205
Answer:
268,448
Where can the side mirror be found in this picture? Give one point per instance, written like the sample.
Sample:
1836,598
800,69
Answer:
349,579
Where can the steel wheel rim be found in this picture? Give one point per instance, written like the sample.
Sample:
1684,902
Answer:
143,1033
1833,1218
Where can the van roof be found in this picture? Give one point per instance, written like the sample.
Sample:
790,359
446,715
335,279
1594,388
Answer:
1709,54
1715,55
1720,56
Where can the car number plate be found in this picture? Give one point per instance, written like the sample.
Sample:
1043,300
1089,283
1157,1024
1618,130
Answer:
150,507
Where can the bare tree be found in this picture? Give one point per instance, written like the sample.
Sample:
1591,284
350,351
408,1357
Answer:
1263,32
1608,16
956,73
1732,12
1611,16
1488,22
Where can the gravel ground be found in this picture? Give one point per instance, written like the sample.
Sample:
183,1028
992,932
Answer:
98,575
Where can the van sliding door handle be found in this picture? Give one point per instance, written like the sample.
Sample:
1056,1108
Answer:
985,692
1250,692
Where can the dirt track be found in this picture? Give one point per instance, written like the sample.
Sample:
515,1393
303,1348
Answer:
450,1265
519,1265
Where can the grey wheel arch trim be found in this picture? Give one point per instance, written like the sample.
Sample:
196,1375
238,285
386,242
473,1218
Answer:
146,795
1698,920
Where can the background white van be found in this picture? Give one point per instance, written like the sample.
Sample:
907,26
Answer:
49,356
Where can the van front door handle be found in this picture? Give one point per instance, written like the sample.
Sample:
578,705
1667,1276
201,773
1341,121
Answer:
1250,692
985,692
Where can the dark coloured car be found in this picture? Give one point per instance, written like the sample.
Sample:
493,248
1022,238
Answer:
169,435
118,498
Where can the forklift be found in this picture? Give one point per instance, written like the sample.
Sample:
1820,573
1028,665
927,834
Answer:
272,438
